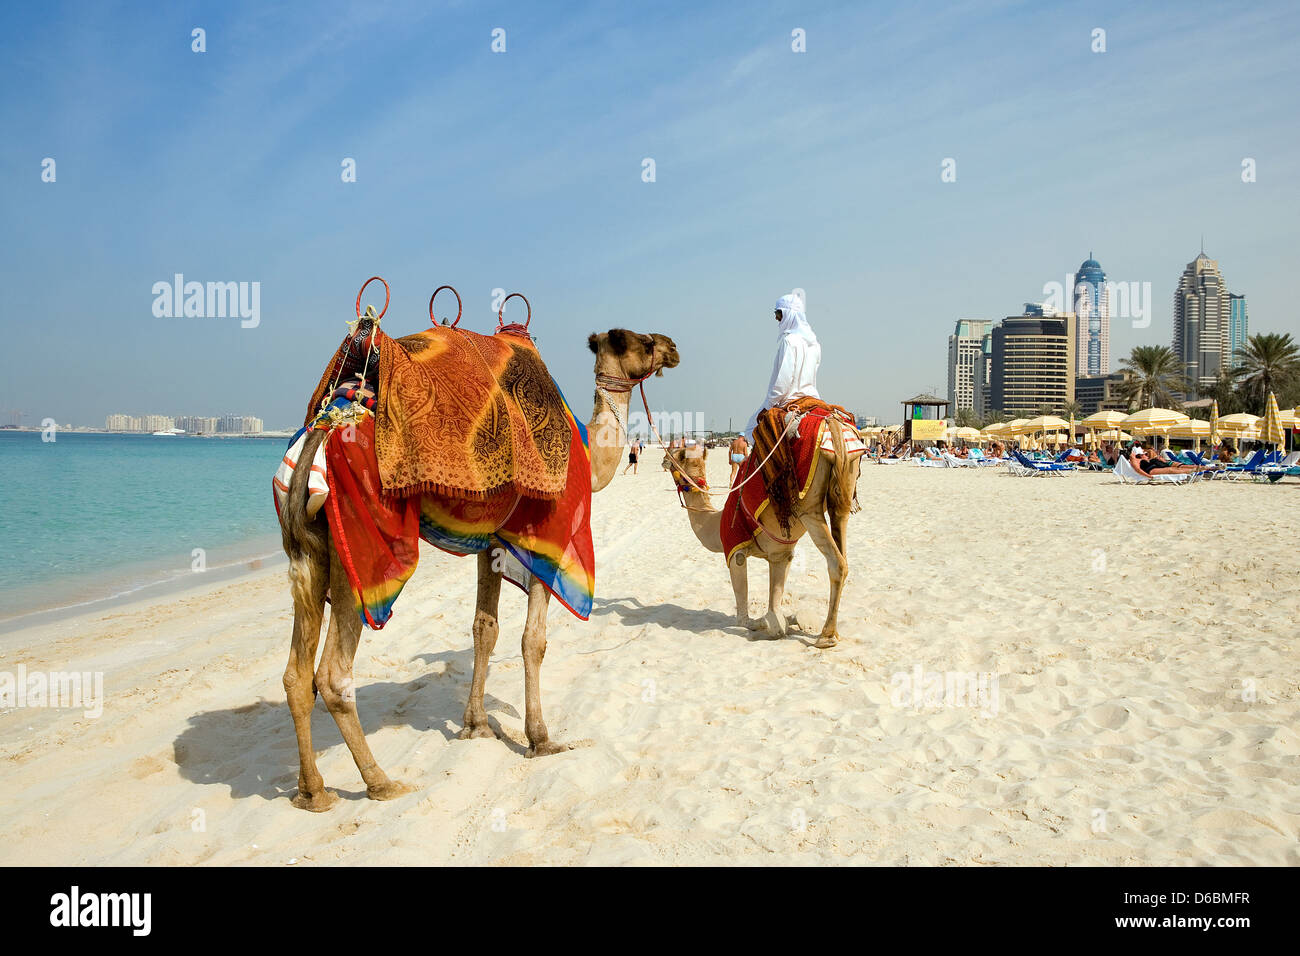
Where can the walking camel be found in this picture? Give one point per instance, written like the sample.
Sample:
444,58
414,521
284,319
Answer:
623,358
823,513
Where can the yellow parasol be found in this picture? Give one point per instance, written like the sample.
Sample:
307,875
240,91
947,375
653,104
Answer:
1107,421
1154,421
1214,422
1194,429
1271,431
1240,425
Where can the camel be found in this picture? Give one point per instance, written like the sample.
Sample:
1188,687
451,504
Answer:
622,358
823,512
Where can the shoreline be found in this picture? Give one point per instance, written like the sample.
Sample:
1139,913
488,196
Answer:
249,562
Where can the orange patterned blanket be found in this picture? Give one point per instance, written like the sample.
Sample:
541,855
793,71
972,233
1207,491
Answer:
464,415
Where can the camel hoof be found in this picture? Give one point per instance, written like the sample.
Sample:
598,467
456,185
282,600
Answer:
750,623
472,731
546,748
827,640
388,790
317,803
774,624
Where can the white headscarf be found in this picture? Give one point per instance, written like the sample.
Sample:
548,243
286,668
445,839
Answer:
793,318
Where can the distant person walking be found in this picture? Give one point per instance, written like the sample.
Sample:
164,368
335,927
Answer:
633,454
738,449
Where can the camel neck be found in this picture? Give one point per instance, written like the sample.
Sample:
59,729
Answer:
606,435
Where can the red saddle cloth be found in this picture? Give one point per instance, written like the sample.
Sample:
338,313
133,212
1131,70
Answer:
748,501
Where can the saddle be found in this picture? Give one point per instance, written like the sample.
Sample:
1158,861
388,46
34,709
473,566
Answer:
460,414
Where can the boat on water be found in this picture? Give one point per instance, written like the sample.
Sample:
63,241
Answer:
170,432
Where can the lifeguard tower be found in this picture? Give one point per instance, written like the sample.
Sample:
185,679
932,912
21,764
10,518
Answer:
924,418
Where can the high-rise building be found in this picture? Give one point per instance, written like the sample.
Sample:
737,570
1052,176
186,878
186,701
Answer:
983,368
1100,393
1201,320
1238,328
1033,362
965,349
1092,306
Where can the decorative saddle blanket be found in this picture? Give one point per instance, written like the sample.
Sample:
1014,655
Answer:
463,415
788,472
376,534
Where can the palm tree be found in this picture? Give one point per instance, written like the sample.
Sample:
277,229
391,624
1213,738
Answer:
1268,362
1225,392
1157,375
966,418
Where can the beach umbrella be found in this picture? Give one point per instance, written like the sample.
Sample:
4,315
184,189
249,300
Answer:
1045,423
1240,425
1271,430
1107,421
1214,422
1103,421
1154,421
996,429
966,433
1194,429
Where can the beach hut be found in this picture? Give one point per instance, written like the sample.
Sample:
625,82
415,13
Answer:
923,418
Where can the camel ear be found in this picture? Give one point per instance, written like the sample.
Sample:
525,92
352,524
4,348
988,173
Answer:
593,343
618,340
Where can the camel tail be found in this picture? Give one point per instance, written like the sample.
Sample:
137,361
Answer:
305,539
840,492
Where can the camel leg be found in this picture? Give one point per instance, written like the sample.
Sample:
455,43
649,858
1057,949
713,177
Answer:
837,566
740,585
334,679
299,686
486,629
534,648
778,565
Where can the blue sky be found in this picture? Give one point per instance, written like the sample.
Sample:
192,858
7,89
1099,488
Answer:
522,170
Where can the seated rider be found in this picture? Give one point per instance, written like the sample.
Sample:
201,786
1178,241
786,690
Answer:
798,354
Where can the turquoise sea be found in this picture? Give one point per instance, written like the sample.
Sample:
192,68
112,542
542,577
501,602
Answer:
88,517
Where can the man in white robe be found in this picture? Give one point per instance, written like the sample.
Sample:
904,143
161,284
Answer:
794,373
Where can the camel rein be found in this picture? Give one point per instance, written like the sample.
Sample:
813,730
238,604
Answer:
792,425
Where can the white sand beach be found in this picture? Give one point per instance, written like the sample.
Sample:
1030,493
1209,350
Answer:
1143,641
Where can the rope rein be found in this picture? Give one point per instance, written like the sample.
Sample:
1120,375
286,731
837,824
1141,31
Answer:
791,425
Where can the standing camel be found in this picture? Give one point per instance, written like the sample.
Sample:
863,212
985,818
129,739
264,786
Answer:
823,512
622,357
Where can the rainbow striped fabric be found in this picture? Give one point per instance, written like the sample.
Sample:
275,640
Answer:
549,540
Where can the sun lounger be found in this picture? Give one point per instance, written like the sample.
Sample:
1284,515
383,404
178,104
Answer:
1023,467
1128,475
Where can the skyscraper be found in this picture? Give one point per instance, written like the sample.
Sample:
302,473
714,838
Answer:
1033,362
1092,306
1201,319
965,349
1238,327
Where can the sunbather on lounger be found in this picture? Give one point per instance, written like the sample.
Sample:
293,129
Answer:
1150,464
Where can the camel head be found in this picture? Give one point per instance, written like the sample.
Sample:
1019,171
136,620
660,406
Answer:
678,463
629,355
